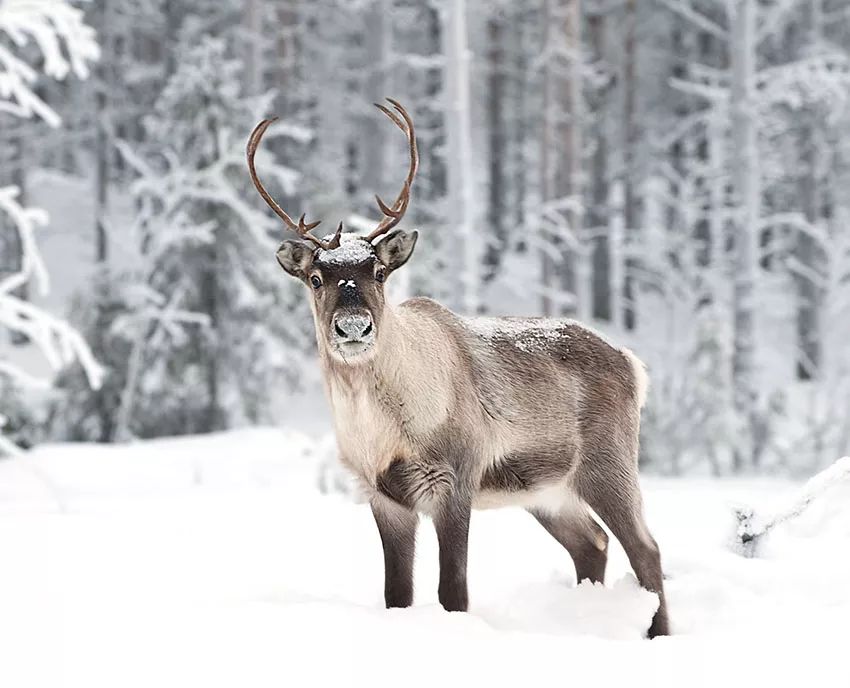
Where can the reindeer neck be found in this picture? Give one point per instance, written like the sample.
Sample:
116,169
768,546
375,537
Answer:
387,363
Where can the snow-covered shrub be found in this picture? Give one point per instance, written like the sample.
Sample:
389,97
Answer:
685,422
20,424
78,412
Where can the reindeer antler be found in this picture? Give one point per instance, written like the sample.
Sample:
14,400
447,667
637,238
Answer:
303,228
394,213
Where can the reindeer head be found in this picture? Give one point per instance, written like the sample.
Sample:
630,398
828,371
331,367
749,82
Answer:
345,273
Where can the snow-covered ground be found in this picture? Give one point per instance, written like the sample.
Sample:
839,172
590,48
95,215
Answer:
216,561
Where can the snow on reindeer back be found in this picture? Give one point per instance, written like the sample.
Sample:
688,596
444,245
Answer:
530,334
352,249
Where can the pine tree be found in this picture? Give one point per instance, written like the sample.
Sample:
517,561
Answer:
209,328
64,45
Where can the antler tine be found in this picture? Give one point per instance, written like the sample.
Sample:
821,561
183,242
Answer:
385,209
306,226
393,214
393,116
303,228
334,242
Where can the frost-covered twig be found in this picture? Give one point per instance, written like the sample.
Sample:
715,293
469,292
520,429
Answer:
24,222
66,45
59,342
176,184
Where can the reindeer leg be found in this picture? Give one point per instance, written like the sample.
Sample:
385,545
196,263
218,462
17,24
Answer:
431,485
618,503
582,537
451,521
397,527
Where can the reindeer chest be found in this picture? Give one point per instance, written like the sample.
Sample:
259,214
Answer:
369,432
376,425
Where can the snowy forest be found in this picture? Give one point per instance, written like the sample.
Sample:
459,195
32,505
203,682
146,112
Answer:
675,173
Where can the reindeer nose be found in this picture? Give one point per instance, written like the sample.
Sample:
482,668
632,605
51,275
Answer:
353,326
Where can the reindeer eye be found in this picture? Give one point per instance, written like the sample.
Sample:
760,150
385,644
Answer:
315,281
380,276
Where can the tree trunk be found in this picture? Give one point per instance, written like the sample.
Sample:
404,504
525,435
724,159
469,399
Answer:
459,151
748,187
14,246
602,129
547,162
616,254
210,347
174,12
213,419
520,107
580,281
375,152
565,269
809,293
103,151
497,215
253,48
628,82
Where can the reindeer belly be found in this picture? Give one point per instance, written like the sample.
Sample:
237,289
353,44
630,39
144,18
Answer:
535,480
549,498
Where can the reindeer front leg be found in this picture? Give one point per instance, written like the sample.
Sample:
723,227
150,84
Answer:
431,485
397,527
451,521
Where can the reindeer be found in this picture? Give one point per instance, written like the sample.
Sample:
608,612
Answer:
439,414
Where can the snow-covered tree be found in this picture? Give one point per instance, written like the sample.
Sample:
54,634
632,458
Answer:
757,80
54,32
564,268
209,328
675,172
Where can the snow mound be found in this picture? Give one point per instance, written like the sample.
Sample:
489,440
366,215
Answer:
619,612
818,513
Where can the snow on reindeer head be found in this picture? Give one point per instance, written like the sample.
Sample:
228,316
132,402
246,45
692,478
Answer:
345,273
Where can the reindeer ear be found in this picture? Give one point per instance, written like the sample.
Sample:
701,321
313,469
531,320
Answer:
395,249
295,257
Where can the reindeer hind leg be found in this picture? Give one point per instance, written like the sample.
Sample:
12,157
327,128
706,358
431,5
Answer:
583,538
618,503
